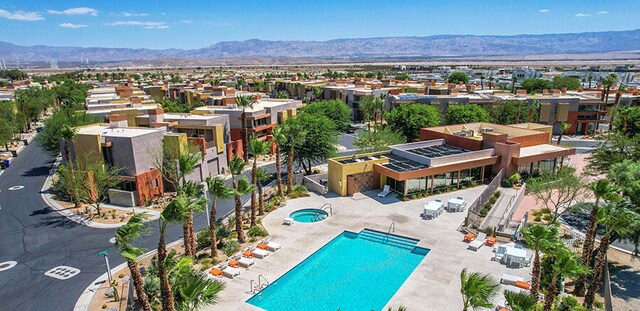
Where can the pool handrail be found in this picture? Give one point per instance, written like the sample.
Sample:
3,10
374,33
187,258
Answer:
260,278
325,206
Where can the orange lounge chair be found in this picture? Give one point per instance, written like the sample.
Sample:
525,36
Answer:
491,241
469,237
523,284
263,246
248,254
216,272
234,263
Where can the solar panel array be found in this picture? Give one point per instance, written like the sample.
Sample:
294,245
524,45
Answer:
437,151
400,164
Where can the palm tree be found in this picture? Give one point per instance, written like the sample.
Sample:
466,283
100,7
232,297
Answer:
616,103
175,212
490,80
67,134
280,139
619,220
186,166
538,238
218,190
245,102
295,137
520,301
317,93
132,230
191,191
477,290
566,264
262,176
602,189
589,78
195,290
564,126
258,148
482,82
513,84
241,186
608,82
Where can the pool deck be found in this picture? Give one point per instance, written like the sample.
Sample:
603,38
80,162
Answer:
435,283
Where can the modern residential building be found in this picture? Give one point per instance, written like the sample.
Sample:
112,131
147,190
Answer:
449,157
261,119
131,149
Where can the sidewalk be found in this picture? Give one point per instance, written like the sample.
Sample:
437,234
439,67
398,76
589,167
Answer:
29,137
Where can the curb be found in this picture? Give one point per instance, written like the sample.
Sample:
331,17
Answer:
87,295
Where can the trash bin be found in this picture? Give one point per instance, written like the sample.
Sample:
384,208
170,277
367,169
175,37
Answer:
14,153
2,166
6,163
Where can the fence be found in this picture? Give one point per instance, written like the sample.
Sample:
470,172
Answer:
473,216
316,183
608,304
505,220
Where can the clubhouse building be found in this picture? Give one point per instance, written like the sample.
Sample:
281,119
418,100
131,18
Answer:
450,156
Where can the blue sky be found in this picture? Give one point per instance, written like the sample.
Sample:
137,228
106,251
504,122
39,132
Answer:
196,24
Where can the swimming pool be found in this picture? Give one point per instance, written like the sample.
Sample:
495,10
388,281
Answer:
309,215
354,271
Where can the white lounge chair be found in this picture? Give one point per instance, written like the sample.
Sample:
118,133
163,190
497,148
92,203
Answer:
229,271
271,245
258,253
509,279
385,191
287,221
476,244
243,261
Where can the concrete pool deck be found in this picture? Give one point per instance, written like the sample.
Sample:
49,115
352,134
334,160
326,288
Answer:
434,284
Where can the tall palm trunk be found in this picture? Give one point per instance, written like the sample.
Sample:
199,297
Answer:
596,277
165,287
290,171
587,248
260,199
67,156
212,227
241,236
245,136
550,298
535,275
279,172
254,201
560,137
138,283
186,231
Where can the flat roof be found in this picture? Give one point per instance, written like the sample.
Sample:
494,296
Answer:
539,149
109,131
437,151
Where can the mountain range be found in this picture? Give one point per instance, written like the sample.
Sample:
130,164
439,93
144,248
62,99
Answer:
354,49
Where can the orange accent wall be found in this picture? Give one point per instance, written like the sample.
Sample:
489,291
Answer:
453,140
532,140
198,142
146,190
236,134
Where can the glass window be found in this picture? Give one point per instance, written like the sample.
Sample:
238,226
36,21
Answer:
439,181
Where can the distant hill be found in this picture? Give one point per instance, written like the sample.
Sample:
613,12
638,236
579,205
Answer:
357,48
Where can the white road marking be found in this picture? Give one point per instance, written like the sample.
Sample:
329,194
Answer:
16,188
62,272
7,265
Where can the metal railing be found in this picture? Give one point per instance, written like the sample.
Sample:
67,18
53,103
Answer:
325,206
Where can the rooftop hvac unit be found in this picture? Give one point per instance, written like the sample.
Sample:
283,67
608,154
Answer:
486,130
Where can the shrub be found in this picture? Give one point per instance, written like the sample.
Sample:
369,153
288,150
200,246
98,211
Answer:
497,194
546,210
257,231
230,247
298,192
506,183
537,218
515,178
203,239
536,212
473,183
546,217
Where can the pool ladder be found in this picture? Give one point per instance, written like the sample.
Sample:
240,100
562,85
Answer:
255,287
392,228
327,206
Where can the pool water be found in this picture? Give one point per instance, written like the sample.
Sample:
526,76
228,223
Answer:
309,215
354,271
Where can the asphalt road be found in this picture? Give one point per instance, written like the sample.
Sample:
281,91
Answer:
39,239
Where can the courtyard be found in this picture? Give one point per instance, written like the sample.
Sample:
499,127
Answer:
433,285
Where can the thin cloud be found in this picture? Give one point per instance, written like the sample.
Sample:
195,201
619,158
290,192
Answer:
583,14
544,11
603,12
187,21
21,15
129,14
76,11
72,26
146,25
